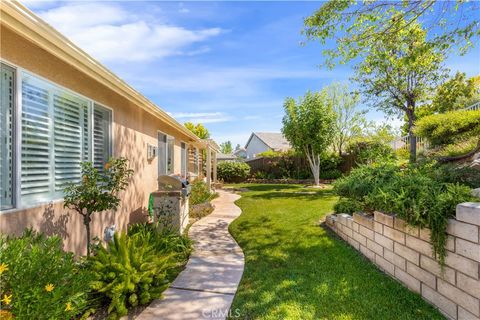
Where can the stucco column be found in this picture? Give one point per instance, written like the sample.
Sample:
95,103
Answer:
214,166
209,167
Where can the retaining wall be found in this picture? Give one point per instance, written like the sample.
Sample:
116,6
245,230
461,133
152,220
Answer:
405,253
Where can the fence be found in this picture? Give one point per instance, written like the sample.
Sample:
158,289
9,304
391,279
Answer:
422,144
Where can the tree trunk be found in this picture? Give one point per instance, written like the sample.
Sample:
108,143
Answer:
314,161
412,137
86,222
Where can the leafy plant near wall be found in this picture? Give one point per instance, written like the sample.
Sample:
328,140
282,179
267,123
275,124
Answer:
40,281
98,190
411,193
233,171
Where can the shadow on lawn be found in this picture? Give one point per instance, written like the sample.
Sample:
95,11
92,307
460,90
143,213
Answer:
296,270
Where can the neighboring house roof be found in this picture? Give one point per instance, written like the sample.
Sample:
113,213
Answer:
223,156
237,152
274,140
24,22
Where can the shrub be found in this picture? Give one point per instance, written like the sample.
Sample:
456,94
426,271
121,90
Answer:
200,193
40,280
346,205
451,173
130,272
233,171
450,127
370,151
410,193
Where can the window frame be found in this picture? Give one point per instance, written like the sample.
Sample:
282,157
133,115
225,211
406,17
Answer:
184,162
17,133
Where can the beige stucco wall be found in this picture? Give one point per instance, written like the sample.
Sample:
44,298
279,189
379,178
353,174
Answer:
133,129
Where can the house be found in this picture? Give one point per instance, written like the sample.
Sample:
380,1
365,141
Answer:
240,153
266,141
222,157
60,107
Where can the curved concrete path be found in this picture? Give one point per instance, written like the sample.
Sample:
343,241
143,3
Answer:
205,289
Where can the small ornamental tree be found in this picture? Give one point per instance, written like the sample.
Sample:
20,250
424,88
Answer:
309,125
98,190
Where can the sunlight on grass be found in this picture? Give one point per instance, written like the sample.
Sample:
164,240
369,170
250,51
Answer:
296,269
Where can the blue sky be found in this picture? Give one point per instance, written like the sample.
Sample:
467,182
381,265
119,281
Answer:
228,65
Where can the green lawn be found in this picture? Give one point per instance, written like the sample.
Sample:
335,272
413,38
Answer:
296,269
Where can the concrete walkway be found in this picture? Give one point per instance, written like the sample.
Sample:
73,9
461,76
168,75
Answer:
205,289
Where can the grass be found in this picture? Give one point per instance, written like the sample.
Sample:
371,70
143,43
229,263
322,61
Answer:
296,269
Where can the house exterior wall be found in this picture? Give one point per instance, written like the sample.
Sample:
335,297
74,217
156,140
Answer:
255,146
132,129
405,254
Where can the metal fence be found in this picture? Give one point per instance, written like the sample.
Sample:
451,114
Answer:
422,144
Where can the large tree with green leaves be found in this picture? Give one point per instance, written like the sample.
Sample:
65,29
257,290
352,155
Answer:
456,93
198,129
308,124
350,121
226,147
399,74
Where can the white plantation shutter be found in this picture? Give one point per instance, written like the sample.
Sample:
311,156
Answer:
102,119
69,141
7,97
36,170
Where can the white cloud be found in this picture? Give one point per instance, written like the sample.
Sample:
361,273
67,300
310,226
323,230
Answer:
110,33
201,117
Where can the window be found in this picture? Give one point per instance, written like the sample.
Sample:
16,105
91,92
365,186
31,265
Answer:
170,155
7,127
102,119
183,147
58,131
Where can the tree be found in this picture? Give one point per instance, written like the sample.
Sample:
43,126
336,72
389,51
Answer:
350,122
399,73
456,93
357,26
308,124
199,130
226,147
98,190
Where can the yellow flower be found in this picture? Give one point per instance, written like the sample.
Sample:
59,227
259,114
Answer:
6,299
3,267
49,287
6,315
68,307
107,165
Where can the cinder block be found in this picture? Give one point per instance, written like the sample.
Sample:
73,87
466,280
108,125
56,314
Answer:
378,227
407,280
463,230
385,265
366,232
422,275
447,274
450,245
393,234
469,212
355,226
469,285
395,259
367,253
342,218
346,230
444,304
409,254
363,219
384,241
361,239
421,246
467,249
353,243
425,234
413,231
399,224
349,222
462,264
458,296
375,247
465,315
383,218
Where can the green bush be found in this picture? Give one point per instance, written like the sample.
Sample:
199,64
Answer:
200,193
370,151
131,271
410,193
346,205
450,127
451,173
233,171
40,281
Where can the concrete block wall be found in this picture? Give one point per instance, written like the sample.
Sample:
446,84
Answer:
405,253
